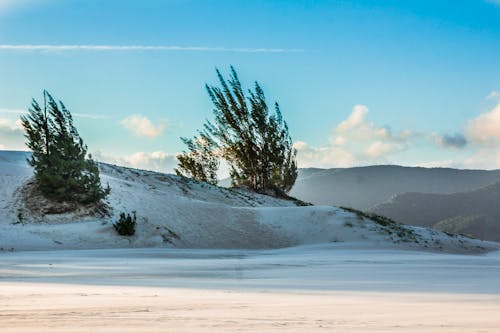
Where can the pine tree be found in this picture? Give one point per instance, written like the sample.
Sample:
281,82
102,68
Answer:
200,162
59,157
254,141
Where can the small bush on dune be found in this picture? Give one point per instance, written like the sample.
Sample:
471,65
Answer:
125,226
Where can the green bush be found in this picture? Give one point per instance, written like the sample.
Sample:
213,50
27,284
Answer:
125,226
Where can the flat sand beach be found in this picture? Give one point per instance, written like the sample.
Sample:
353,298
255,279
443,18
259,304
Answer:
305,289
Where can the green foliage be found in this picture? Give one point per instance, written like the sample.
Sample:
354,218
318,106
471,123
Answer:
62,170
200,161
252,140
125,226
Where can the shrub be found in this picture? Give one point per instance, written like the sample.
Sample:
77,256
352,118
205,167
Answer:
125,226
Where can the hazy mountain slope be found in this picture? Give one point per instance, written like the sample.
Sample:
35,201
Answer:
364,187
177,212
475,213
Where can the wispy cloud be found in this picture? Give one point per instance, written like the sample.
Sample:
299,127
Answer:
89,47
91,116
76,115
12,111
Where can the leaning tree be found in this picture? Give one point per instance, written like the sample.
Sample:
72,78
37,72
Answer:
252,139
63,171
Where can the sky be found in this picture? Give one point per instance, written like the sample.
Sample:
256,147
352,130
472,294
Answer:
365,82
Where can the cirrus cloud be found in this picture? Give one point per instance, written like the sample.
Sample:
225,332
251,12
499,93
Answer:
128,48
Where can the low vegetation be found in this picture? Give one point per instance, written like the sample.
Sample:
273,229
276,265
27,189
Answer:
390,226
125,226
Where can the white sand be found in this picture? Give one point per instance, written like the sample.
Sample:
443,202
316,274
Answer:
306,289
353,276
202,216
68,308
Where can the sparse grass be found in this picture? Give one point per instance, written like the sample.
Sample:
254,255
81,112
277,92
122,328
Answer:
348,224
388,225
172,233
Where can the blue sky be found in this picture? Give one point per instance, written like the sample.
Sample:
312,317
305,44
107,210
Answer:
359,82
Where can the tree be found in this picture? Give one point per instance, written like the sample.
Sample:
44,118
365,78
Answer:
63,171
254,141
200,162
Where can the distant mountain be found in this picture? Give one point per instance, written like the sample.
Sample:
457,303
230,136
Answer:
474,213
365,187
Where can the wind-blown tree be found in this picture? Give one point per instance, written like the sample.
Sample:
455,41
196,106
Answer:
200,162
254,141
63,172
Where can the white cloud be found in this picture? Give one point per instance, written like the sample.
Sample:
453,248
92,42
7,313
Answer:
143,127
379,148
9,125
11,134
323,157
89,47
355,141
493,95
158,161
155,161
438,164
485,128
484,158
355,119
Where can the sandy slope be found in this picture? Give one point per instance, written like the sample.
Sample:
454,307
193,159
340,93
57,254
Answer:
175,212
